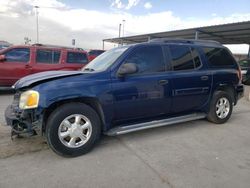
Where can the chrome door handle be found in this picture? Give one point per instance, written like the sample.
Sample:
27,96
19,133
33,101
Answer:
163,82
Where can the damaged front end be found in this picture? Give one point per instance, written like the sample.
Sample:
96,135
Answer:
24,114
22,121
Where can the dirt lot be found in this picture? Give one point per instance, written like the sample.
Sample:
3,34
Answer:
193,154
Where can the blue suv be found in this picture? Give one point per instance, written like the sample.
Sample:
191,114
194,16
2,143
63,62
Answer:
127,89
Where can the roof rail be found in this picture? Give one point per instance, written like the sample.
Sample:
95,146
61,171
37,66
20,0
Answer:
53,46
180,40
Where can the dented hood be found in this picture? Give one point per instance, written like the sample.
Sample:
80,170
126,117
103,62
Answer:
43,76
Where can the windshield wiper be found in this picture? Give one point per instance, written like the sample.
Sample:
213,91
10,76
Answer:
89,69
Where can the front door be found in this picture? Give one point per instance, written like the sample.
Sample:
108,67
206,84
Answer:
145,93
16,65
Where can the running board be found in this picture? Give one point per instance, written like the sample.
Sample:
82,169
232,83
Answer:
152,124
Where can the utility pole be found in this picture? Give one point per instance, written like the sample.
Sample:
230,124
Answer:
37,27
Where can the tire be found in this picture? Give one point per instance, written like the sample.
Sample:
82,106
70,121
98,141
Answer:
216,115
73,129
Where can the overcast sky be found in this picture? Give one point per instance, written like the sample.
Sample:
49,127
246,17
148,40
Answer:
90,21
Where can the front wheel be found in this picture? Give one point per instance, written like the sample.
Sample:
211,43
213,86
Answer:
73,129
221,107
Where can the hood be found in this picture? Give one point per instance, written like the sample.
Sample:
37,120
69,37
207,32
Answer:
43,76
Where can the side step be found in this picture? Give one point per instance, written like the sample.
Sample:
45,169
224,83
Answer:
152,124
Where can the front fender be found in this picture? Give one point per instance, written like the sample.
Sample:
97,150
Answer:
70,90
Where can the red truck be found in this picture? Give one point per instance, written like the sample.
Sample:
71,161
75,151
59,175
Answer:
19,61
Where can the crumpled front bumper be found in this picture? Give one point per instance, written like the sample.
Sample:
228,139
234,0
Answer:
21,121
10,116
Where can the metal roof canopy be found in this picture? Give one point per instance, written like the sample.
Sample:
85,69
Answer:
233,33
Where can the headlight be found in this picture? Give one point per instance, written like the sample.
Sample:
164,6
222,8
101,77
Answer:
29,99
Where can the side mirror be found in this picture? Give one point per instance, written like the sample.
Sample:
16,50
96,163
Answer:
2,58
127,68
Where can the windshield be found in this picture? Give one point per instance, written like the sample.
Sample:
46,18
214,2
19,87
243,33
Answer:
105,60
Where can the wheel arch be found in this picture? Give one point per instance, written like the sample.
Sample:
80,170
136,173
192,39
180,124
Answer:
90,101
229,89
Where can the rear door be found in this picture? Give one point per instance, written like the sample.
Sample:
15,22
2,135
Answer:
46,60
191,80
15,66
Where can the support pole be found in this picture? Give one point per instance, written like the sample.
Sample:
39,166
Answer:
37,26
149,38
120,26
102,44
196,35
248,51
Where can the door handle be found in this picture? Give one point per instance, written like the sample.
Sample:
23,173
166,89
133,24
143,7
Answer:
163,82
28,67
204,78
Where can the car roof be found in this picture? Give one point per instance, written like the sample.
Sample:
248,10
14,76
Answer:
192,42
53,47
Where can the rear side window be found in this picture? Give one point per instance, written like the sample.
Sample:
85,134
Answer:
219,57
182,58
48,56
148,59
18,55
76,57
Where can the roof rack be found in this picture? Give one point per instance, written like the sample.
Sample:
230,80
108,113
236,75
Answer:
188,41
54,46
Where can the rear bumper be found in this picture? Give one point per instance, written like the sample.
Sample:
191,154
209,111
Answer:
239,92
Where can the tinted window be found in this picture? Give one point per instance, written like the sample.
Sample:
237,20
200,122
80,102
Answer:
196,58
218,57
148,59
76,57
95,52
47,56
18,55
181,57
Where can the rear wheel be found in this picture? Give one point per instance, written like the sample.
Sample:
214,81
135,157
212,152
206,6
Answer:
220,107
73,129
